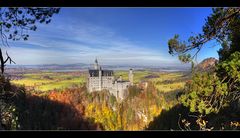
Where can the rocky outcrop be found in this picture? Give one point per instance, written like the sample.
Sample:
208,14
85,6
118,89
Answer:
207,64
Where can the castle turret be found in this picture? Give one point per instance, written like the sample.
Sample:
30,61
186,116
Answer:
130,76
100,78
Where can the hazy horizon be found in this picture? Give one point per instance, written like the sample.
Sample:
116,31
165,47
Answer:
92,64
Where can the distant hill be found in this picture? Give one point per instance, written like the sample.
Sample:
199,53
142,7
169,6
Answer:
207,64
83,66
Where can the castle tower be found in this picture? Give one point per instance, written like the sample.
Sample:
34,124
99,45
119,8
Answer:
100,78
120,78
130,76
96,64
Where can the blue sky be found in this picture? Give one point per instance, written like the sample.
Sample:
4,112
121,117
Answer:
116,36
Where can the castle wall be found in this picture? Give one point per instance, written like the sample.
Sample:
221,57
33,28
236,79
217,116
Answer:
119,89
93,84
103,79
107,82
97,84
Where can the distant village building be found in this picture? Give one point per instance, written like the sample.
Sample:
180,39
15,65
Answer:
99,79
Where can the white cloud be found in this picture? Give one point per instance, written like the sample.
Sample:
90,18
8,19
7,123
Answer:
82,42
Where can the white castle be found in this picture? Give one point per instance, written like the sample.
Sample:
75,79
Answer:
99,80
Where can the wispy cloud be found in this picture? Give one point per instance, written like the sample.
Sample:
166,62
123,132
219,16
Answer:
76,42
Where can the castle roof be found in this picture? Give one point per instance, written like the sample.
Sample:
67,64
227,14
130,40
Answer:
95,72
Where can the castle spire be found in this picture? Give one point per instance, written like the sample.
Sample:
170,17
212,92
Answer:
96,64
96,61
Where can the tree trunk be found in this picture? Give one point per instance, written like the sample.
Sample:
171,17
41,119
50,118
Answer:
2,61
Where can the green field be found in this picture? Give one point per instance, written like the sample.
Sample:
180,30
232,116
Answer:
169,82
138,75
45,81
164,82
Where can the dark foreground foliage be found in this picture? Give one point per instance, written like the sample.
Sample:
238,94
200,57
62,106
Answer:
23,111
180,118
